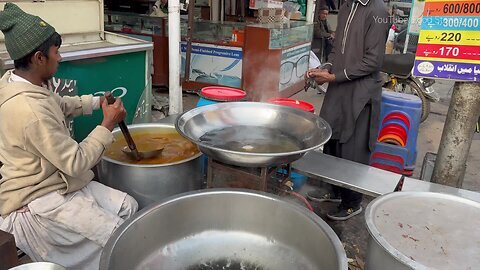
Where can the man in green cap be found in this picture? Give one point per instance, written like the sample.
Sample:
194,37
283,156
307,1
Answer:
47,198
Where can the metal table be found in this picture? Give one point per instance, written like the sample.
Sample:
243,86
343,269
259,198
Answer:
365,179
344,173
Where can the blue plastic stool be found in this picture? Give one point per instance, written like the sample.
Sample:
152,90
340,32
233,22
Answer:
411,107
408,156
392,163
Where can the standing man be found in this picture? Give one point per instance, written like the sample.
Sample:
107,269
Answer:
47,199
352,102
323,36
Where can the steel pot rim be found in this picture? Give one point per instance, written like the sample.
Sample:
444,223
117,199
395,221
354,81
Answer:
44,265
330,234
152,125
282,154
380,240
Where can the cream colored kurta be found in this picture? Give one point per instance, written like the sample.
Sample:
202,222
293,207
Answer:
67,218
71,229
36,149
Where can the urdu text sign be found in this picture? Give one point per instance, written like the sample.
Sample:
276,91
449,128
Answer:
449,42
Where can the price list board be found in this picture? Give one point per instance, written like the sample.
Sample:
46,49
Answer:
449,41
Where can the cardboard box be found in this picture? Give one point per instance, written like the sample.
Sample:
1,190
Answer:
258,4
297,15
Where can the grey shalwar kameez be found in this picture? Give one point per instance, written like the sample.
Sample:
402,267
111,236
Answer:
352,101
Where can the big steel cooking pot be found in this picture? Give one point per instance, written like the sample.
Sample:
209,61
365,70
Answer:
423,230
224,229
151,183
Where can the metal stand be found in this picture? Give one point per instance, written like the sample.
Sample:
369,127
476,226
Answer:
223,175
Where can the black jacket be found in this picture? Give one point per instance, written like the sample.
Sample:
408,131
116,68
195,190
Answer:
355,60
321,31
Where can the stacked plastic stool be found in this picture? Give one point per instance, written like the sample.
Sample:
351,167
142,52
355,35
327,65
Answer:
396,146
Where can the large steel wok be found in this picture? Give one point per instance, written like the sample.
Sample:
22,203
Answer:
305,129
223,229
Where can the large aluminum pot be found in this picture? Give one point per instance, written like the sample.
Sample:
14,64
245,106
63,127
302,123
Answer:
39,266
151,183
224,229
304,128
423,230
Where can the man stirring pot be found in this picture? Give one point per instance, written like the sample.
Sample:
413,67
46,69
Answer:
47,199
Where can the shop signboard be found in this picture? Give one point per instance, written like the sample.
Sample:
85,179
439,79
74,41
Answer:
294,65
213,64
449,42
123,74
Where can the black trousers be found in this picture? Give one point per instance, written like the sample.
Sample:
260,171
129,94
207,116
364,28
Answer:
355,149
328,48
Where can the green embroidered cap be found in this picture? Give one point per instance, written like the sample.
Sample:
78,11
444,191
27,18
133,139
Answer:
23,32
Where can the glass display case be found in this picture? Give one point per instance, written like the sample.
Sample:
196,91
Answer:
289,34
217,32
144,27
204,31
133,23
235,54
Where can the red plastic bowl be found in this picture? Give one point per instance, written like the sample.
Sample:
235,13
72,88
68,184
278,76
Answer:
399,116
221,93
300,104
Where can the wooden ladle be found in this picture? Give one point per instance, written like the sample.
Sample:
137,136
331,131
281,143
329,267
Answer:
131,149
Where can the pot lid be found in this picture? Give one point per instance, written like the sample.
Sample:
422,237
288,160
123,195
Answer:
221,93
427,230
294,103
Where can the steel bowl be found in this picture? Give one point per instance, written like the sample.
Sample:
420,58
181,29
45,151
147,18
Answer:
307,128
224,229
39,266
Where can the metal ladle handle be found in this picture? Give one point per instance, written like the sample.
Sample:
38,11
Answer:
123,127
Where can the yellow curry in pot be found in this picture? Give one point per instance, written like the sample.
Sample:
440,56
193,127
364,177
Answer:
175,147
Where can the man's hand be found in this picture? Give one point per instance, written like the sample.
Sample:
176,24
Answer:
311,72
321,76
112,114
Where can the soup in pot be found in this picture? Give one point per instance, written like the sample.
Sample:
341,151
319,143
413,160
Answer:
175,147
